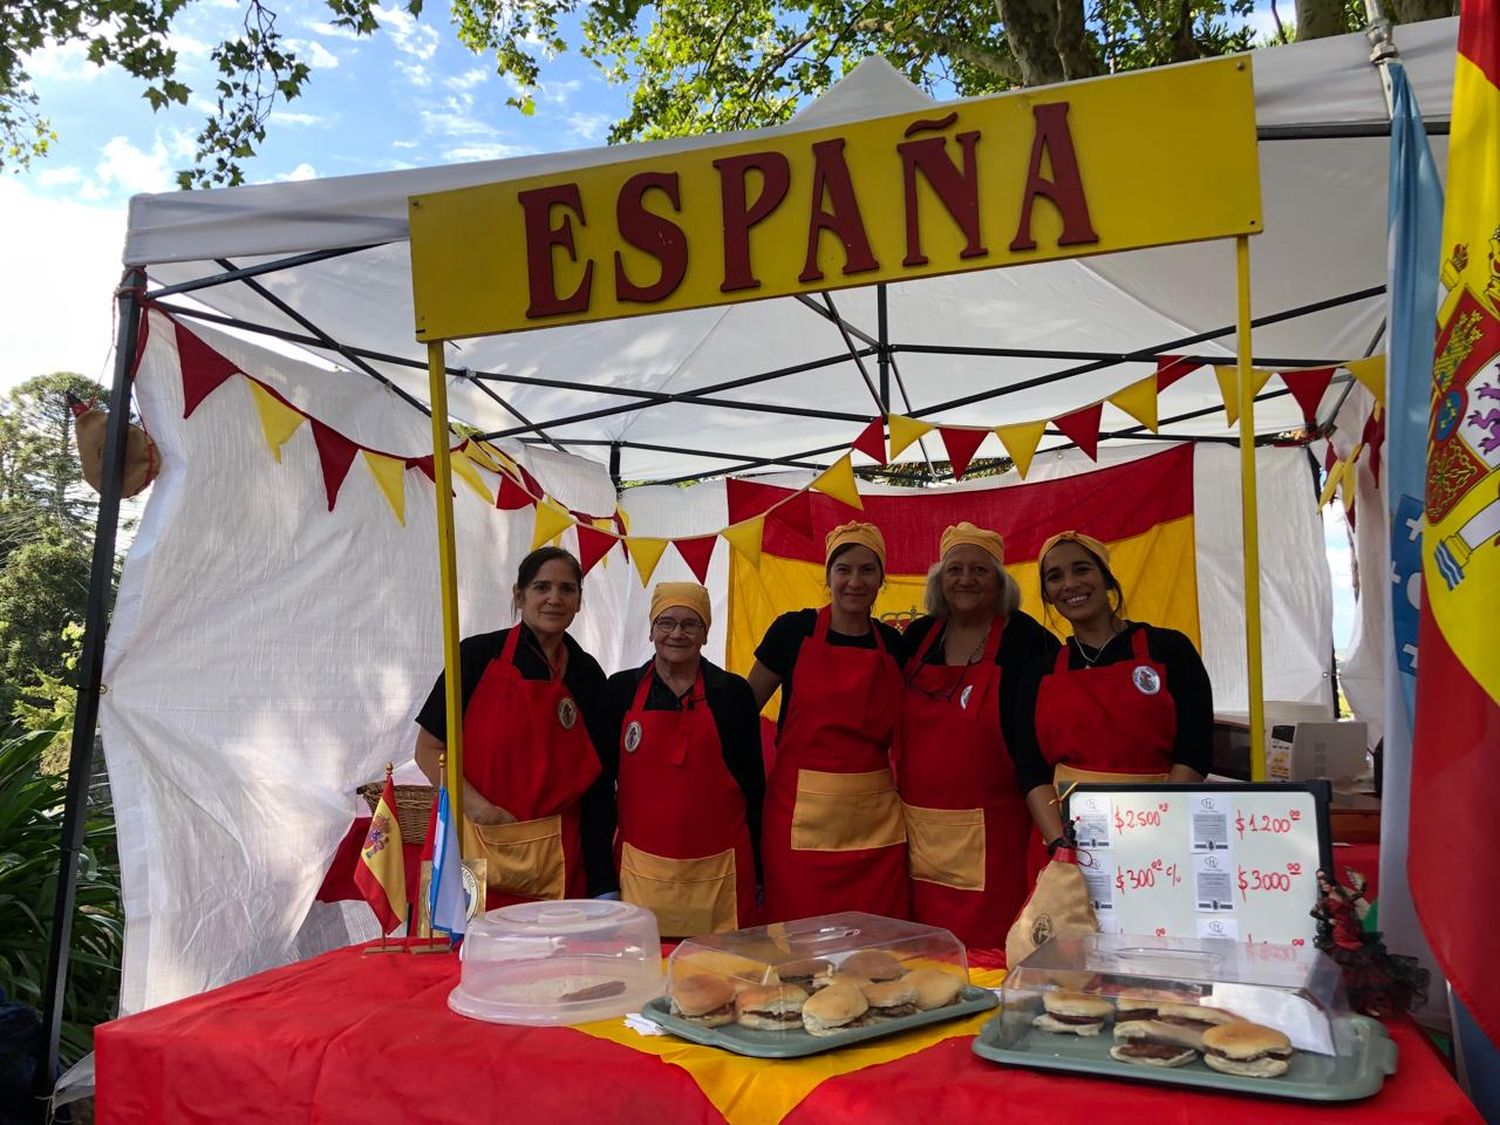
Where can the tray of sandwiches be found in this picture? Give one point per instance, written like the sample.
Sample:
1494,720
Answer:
1253,1019
799,988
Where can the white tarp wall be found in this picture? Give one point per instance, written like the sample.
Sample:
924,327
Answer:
267,656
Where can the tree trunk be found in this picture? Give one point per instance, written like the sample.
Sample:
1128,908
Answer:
1318,19
1074,48
1031,28
1411,11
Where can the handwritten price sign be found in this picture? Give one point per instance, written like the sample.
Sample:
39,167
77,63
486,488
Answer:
1265,822
1277,882
1150,817
1156,873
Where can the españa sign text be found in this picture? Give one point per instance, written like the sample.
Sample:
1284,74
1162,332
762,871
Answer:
1113,164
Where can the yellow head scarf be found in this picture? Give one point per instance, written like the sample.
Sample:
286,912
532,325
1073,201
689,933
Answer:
857,533
681,595
1074,537
965,532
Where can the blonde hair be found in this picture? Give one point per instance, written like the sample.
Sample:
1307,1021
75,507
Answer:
935,605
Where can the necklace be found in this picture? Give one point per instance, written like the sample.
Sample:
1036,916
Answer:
1083,650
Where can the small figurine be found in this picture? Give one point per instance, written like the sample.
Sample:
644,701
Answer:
1379,983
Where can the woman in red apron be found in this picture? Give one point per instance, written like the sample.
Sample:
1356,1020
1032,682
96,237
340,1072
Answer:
1122,701
833,837
687,756
966,819
535,806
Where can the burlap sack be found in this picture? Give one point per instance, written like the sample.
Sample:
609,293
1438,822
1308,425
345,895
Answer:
1058,906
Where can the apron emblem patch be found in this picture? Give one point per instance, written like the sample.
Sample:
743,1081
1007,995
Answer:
1146,681
567,713
632,737
963,699
1041,929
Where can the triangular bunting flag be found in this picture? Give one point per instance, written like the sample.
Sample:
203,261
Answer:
838,481
904,431
961,442
466,471
697,552
1228,376
203,369
278,421
511,497
552,519
1331,482
1374,438
1139,401
795,514
336,453
476,452
1020,441
390,475
646,552
1082,428
425,464
1170,368
871,441
1370,371
529,482
1307,388
745,538
593,545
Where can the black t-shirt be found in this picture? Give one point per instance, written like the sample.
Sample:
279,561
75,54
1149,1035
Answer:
1187,682
1025,639
736,718
586,683
783,641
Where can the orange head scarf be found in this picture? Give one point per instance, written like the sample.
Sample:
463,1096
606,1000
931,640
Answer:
855,533
966,533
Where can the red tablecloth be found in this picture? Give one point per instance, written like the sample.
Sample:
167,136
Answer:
352,1038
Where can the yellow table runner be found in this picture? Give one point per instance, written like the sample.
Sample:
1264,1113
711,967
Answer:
749,1091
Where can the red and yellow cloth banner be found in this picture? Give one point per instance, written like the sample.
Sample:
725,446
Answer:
380,874
1455,786
1143,510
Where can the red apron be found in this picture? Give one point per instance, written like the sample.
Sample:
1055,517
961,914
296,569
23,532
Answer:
526,749
1111,724
966,818
684,846
832,836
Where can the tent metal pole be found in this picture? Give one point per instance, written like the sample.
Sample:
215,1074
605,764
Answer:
1249,514
495,396
853,351
829,313
614,465
437,382
90,672
883,330
584,443
240,273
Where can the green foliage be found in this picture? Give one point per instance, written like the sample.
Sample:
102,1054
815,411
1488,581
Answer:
31,802
49,701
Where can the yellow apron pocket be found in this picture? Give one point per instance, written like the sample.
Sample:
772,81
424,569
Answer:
946,846
524,858
688,896
1063,774
846,812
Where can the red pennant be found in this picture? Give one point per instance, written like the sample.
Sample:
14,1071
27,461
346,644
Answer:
203,369
531,484
795,515
336,453
1307,388
1170,368
697,552
425,464
593,544
1082,428
1349,514
961,444
1330,458
1374,438
143,335
871,441
511,497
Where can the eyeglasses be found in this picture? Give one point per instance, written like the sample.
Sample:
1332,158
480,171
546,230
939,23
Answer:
666,626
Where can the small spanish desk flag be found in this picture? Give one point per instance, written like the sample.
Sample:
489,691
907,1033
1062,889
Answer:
381,872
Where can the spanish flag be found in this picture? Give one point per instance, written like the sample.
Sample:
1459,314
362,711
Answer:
1143,510
381,872
1455,772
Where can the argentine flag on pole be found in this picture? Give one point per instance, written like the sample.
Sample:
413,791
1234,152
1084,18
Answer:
445,891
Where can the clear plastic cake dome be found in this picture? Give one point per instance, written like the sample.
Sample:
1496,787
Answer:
558,962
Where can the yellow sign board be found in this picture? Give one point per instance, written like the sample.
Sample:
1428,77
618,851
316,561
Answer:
1145,159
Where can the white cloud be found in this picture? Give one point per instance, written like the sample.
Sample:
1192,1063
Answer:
415,73
404,144
558,93
456,124
129,170
589,127
467,80
330,30
284,117
313,53
484,152
419,40
187,46
303,171
66,63
65,176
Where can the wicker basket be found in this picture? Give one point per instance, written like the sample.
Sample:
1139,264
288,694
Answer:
413,808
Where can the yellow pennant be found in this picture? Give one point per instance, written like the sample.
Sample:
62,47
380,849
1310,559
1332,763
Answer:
1229,388
552,520
495,454
278,421
1371,373
838,481
645,552
465,470
1020,441
476,452
1139,401
390,475
904,431
1335,475
745,538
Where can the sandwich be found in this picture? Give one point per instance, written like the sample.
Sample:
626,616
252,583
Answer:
1247,1049
835,1009
935,988
801,973
872,964
770,1007
1184,1024
1142,1003
831,976
1072,1013
703,999
1136,1043
890,999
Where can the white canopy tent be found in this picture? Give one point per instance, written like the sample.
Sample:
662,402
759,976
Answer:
266,655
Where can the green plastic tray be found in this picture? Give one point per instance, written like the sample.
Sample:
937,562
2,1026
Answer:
1311,1077
795,1044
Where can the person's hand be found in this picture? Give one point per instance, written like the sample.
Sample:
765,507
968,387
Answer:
612,896
481,811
